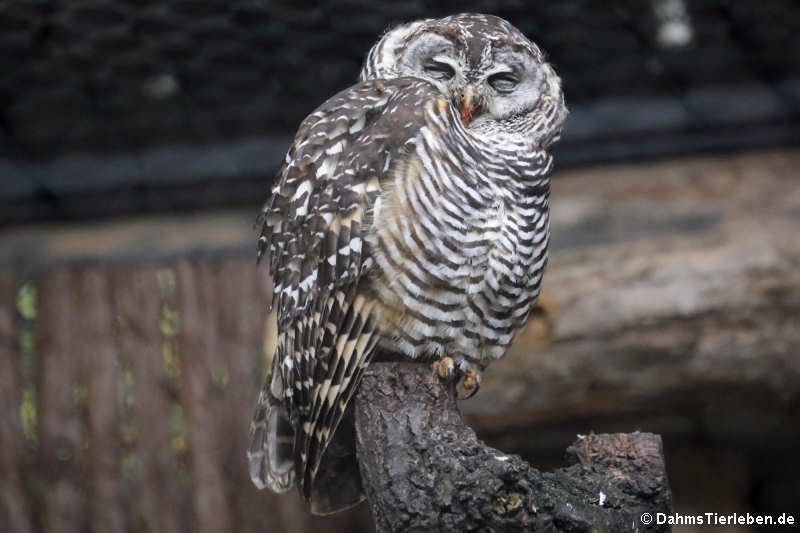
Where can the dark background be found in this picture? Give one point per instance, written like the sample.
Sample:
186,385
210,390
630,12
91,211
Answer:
111,107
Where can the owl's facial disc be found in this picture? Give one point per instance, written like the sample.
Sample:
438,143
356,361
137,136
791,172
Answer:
512,84
435,58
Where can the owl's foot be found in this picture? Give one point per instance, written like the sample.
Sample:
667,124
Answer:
471,383
446,368
470,378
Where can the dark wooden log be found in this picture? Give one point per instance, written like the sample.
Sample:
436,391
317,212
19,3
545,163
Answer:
425,470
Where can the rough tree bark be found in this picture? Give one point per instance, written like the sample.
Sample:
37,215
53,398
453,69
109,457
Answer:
425,470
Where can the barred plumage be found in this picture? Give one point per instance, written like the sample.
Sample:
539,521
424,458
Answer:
411,214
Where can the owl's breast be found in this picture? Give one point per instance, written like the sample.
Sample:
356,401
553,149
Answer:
506,277
456,275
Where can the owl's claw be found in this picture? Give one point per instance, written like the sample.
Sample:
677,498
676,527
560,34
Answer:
446,367
471,383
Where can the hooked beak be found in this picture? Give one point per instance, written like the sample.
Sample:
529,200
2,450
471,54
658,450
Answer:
468,104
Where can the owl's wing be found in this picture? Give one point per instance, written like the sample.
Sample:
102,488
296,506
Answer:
314,230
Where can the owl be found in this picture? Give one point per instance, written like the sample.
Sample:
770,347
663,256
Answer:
410,220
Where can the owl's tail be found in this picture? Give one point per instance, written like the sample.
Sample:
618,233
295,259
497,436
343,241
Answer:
271,457
271,450
272,454
337,483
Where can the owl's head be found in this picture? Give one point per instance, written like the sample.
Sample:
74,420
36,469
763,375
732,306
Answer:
491,72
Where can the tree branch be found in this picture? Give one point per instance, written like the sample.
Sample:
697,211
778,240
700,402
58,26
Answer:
424,470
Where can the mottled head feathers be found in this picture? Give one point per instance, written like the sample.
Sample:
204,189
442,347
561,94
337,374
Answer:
513,91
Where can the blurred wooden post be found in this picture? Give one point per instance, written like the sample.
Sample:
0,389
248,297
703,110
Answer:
62,469
145,377
14,507
158,504
200,369
97,350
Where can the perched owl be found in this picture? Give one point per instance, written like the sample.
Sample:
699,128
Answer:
410,218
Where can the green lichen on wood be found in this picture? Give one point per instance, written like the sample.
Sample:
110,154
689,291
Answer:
26,305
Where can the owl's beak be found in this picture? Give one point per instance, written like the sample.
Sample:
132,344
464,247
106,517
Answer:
467,104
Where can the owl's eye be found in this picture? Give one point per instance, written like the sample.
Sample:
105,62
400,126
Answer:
503,82
438,70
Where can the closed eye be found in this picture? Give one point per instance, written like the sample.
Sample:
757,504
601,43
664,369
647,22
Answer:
438,70
503,82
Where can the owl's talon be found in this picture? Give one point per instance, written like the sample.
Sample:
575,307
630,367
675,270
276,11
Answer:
446,367
471,379
471,383
471,393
